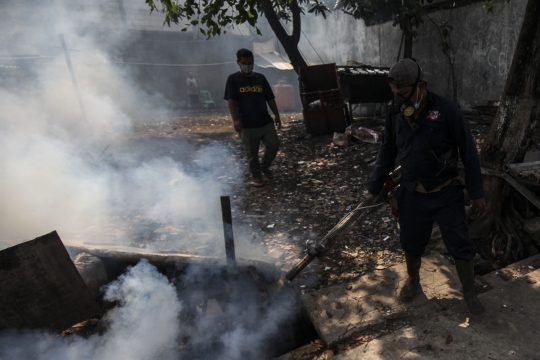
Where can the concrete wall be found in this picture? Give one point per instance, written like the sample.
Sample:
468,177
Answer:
484,46
32,27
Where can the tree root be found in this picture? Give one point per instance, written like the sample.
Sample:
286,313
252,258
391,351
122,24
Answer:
515,217
494,244
508,251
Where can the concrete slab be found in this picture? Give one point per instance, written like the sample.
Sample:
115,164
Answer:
513,316
339,310
509,329
513,271
438,338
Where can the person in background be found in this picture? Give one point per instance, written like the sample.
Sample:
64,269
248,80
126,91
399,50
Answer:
248,94
192,92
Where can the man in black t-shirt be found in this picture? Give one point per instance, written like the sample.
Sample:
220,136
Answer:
248,93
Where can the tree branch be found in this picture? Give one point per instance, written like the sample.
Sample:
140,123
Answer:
297,22
273,20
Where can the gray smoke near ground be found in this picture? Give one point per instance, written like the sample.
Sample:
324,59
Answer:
143,326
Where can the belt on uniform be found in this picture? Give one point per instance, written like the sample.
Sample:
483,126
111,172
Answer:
451,182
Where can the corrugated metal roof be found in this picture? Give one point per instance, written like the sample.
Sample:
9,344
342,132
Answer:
273,60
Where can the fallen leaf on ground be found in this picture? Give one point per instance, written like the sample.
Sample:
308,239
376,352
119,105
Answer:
327,354
393,316
381,267
356,336
449,339
532,281
314,347
503,276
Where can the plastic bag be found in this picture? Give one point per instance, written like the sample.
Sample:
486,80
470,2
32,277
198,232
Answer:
341,139
363,134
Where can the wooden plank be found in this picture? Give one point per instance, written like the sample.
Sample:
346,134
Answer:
41,288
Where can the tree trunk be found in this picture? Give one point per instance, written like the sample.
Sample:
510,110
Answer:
510,133
407,52
289,42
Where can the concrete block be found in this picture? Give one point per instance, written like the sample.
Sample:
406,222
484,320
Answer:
509,329
437,338
339,310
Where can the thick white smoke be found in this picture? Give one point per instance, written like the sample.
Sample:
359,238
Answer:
53,172
143,326
53,177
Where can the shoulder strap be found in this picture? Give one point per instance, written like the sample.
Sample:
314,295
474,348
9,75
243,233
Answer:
393,139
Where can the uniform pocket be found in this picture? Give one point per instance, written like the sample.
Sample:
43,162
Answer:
437,134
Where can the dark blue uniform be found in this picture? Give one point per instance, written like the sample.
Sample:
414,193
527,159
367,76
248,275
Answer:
445,127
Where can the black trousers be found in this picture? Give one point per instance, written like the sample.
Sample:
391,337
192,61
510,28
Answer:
418,211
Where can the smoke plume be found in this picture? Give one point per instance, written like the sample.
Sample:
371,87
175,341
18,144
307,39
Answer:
143,326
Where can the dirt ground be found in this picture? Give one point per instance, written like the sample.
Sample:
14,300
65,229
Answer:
316,183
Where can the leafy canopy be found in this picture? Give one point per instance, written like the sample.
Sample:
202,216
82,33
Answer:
214,17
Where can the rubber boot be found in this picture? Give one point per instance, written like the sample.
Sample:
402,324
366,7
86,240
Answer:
465,270
412,285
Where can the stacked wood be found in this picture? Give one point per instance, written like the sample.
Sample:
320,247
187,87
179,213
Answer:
484,114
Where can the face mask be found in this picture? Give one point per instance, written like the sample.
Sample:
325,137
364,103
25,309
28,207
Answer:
246,69
404,106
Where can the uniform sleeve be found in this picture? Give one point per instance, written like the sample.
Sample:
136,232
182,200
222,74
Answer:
468,154
268,93
385,157
230,90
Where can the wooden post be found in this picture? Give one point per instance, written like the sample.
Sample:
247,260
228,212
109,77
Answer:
229,238
68,61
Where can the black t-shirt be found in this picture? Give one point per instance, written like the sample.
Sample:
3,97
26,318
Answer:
251,94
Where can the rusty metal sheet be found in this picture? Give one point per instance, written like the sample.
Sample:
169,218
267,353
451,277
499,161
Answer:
41,288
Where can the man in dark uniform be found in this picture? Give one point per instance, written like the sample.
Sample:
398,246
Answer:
247,94
427,129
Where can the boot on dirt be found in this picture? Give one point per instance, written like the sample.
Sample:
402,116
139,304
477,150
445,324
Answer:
465,271
412,285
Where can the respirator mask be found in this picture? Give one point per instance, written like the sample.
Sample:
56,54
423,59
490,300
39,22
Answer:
246,69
